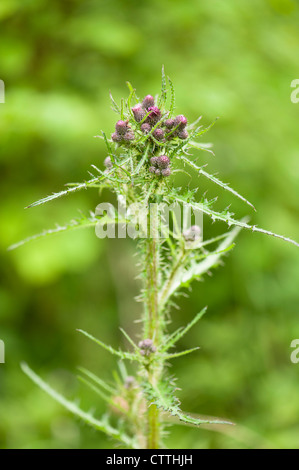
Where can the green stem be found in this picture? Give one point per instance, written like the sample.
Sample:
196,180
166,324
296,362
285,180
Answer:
153,323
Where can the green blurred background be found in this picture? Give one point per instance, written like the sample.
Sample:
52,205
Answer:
232,59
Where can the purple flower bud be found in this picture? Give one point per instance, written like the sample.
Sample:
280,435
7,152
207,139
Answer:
116,137
166,172
154,161
108,163
158,134
169,123
158,172
121,127
183,134
180,121
129,136
145,128
146,347
155,114
163,161
152,169
148,101
139,112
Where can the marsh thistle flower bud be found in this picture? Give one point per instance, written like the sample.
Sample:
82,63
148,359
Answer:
139,112
116,137
146,347
148,101
180,122
155,115
192,234
183,134
158,134
145,127
166,172
129,136
163,161
121,127
169,123
154,160
160,165
108,163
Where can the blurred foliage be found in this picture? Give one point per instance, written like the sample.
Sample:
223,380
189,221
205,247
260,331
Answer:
236,60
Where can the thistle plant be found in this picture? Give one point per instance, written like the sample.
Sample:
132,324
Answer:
149,146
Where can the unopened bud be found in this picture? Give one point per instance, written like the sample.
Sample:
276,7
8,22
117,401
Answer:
148,101
169,123
166,172
180,121
183,134
121,127
116,137
139,112
129,136
146,347
158,134
163,161
145,127
108,163
155,114
192,234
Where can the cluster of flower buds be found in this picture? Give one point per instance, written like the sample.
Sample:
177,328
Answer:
192,234
149,114
146,347
177,127
123,133
160,165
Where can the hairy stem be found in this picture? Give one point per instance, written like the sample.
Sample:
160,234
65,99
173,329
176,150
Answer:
153,322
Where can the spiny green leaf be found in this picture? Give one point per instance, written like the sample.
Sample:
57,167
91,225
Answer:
214,179
162,395
93,183
119,353
100,425
225,216
78,223
97,380
181,353
179,333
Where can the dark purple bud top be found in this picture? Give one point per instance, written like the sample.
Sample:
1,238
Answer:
154,161
145,128
139,112
183,134
193,233
169,123
129,136
152,169
116,137
163,161
121,127
148,101
180,121
155,114
158,134
166,172
108,163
